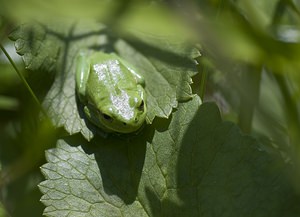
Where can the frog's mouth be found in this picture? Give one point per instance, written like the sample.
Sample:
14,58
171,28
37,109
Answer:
121,127
114,125
109,123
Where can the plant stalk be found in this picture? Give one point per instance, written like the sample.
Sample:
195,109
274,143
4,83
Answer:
24,81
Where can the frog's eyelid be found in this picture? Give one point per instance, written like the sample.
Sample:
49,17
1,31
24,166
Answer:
107,117
141,106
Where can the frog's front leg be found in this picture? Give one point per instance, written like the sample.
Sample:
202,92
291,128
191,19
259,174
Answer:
139,79
82,74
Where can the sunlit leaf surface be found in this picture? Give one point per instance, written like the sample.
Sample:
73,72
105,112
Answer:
181,167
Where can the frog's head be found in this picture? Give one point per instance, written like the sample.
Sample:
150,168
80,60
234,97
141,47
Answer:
123,113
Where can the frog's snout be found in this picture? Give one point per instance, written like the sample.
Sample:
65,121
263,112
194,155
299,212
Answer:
136,120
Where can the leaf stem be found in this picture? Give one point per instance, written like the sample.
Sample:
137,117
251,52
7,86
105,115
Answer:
203,83
23,80
290,107
249,96
202,69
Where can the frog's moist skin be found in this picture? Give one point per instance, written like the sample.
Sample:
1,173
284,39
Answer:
111,92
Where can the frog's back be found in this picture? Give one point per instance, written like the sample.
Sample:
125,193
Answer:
112,92
109,76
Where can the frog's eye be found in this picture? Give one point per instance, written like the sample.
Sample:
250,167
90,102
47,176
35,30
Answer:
107,117
141,106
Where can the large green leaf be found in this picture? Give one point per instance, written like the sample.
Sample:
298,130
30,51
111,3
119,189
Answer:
192,165
166,65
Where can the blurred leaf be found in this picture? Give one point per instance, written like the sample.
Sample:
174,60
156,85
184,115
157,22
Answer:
8,78
246,36
8,103
24,139
184,167
21,11
262,34
22,196
166,66
258,12
2,211
270,120
155,20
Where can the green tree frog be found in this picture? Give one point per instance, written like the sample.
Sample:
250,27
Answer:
111,91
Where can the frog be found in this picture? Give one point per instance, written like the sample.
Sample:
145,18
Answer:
111,91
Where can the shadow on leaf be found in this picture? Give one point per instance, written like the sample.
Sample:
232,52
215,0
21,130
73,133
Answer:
120,160
219,170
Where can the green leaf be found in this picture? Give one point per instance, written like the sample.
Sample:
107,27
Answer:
38,48
191,165
166,65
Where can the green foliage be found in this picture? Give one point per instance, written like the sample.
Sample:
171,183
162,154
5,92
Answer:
187,160
50,49
179,167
